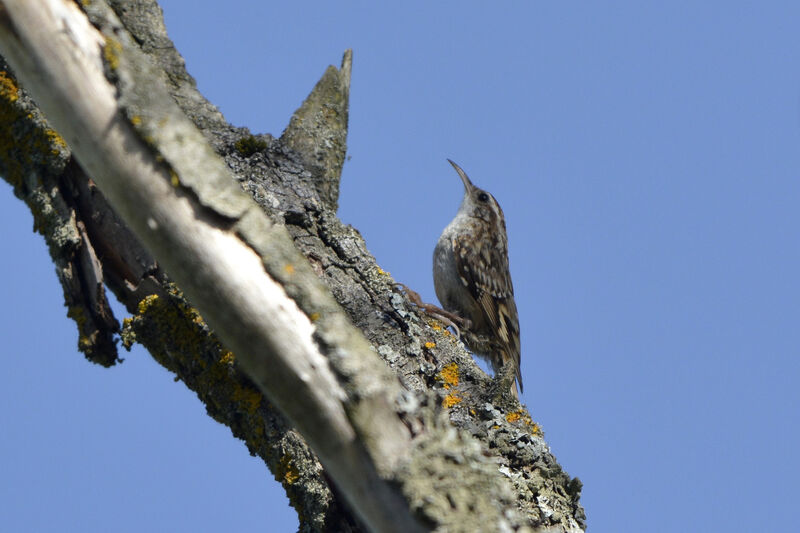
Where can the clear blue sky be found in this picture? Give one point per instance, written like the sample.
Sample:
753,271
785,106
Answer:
646,155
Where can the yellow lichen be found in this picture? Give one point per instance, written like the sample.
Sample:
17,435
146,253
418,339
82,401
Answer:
314,317
147,302
227,357
173,178
438,326
522,415
78,314
450,400
289,268
532,426
290,472
84,343
27,143
8,87
56,139
136,120
111,52
449,375
248,398
430,345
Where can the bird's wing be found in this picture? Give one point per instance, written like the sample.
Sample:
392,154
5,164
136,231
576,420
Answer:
483,268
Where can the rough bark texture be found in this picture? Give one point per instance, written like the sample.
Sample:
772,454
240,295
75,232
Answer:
476,449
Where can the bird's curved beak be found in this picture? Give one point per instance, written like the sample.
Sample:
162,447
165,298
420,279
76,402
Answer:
468,186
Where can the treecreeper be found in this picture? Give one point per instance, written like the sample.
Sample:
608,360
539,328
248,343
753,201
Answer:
473,281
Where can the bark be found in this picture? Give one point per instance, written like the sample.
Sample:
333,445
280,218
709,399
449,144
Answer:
226,249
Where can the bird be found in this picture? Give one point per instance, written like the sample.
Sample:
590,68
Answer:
472,281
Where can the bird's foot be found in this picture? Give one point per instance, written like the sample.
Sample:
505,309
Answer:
445,317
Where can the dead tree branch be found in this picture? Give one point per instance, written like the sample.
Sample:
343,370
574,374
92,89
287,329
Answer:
289,303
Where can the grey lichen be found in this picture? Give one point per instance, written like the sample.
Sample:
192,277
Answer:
450,471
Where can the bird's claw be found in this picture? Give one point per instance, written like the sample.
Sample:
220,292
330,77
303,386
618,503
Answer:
445,317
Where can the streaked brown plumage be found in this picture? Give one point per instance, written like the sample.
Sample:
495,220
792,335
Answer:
472,279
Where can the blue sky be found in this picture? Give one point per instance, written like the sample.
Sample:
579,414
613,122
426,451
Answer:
646,157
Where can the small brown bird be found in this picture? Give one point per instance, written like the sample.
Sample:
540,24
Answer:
472,280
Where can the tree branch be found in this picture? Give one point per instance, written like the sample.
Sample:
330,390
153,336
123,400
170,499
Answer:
207,233
390,448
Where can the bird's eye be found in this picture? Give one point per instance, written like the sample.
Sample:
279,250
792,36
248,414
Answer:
483,197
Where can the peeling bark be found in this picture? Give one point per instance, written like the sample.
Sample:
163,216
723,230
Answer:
435,430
